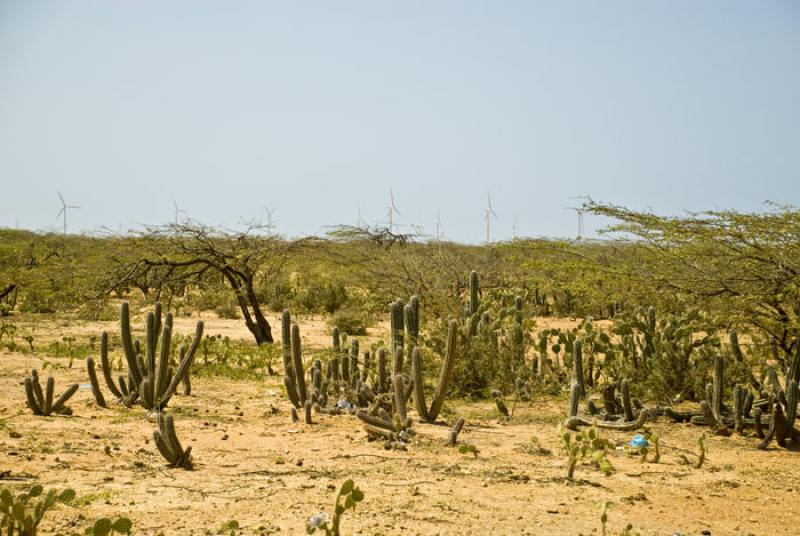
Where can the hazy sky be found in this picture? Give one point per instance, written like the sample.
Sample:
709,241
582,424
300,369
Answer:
319,108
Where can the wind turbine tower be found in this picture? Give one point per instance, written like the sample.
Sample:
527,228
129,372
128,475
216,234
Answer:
488,215
178,211
392,210
63,211
270,221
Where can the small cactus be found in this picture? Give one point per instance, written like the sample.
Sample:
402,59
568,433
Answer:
41,403
168,444
453,437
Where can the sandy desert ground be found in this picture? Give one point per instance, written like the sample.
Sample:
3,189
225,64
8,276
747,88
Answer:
255,466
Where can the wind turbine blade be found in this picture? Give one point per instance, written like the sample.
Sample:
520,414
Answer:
60,212
62,198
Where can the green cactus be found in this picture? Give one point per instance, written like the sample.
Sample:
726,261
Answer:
738,407
716,400
383,376
122,393
20,516
169,446
432,413
577,367
98,394
307,408
574,399
452,439
737,350
152,380
474,301
41,403
297,362
624,390
397,325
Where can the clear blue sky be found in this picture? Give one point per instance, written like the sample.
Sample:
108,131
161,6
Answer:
318,108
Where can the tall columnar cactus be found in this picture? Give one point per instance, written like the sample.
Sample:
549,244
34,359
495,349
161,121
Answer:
626,400
425,413
791,401
126,392
169,446
399,387
289,378
474,300
98,394
738,408
716,400
574,399
737,350
286,342
153,379
577,367
397,362
397,325
297,362
41,403
354,373
383,375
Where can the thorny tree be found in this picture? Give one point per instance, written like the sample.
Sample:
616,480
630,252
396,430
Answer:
744,266
183,253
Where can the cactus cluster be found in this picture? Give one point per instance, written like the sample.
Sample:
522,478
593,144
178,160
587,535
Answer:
621,413
41,402
151,379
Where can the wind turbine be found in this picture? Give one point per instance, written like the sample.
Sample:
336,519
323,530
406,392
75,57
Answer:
270,222
63,211
392,210
514,228
438,227
178,210
488,215
360,221
579,213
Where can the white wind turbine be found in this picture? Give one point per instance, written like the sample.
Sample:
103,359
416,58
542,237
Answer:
579,213
360,221
63,211
392,210
487,216
270,222
178,211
